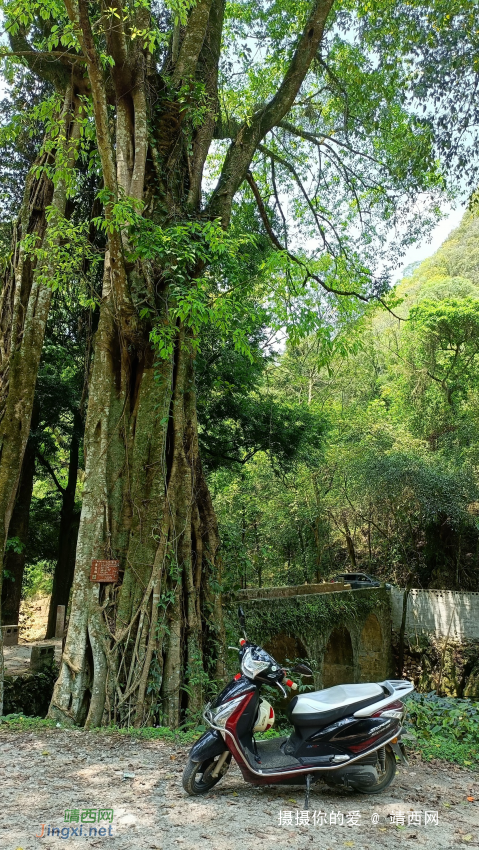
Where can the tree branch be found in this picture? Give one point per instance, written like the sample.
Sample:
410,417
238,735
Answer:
79,16
208,71
141,142
276,195
50,66
117,44
69,59
318,140
241,150
46,464
308,274
289,167
192,43
262,211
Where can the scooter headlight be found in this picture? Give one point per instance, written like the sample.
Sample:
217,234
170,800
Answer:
219,716
251,667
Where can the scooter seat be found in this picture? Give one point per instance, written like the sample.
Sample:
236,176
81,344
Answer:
322,707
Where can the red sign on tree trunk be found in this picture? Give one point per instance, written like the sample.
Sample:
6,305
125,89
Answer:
106,571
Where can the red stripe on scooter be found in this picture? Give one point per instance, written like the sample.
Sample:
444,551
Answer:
357,748
391,706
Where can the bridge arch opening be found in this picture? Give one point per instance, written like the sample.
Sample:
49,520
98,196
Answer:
338,663
285,648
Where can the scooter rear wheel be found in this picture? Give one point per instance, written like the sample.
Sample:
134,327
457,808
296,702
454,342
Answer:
197,778
387,777
383,782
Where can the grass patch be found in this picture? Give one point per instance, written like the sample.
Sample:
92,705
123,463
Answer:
21,723
442,727
449,750
154,733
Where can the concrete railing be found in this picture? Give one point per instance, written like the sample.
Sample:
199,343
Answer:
290,590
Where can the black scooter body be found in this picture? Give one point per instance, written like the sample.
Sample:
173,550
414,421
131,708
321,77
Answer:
309,745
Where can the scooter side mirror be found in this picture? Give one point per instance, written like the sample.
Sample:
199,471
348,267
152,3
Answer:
302,669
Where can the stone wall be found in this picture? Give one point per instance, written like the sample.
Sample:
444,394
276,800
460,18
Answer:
449,667
443,613
441,648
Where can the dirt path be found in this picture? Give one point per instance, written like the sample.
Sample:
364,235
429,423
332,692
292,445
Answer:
42,775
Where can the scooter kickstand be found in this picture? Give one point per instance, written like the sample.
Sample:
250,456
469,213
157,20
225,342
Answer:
309,777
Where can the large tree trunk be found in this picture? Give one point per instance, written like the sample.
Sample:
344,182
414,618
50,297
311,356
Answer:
14,560
68,534
24,307
154,638
145,502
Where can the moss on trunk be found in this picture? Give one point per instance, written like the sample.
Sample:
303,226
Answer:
151,640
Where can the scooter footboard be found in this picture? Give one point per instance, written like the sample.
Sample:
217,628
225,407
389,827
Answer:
210,745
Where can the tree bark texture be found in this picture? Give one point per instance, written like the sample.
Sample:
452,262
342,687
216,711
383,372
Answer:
24,306
145,503
149,645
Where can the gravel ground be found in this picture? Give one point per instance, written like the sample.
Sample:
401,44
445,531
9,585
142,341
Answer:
44,774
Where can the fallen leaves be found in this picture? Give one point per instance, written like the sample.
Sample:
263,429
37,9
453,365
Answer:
162,809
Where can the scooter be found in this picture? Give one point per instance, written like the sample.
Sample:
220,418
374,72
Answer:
348,735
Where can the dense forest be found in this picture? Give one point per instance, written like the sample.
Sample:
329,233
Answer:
383,477
206,376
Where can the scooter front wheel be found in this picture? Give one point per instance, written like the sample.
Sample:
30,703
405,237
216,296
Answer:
198,778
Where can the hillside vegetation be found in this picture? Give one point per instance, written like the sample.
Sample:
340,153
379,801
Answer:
385,476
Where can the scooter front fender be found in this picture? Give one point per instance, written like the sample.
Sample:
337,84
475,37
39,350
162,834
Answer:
210,744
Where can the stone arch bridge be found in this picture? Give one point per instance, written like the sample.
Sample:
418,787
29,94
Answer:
346,634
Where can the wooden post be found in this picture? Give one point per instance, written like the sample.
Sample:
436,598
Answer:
60,623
